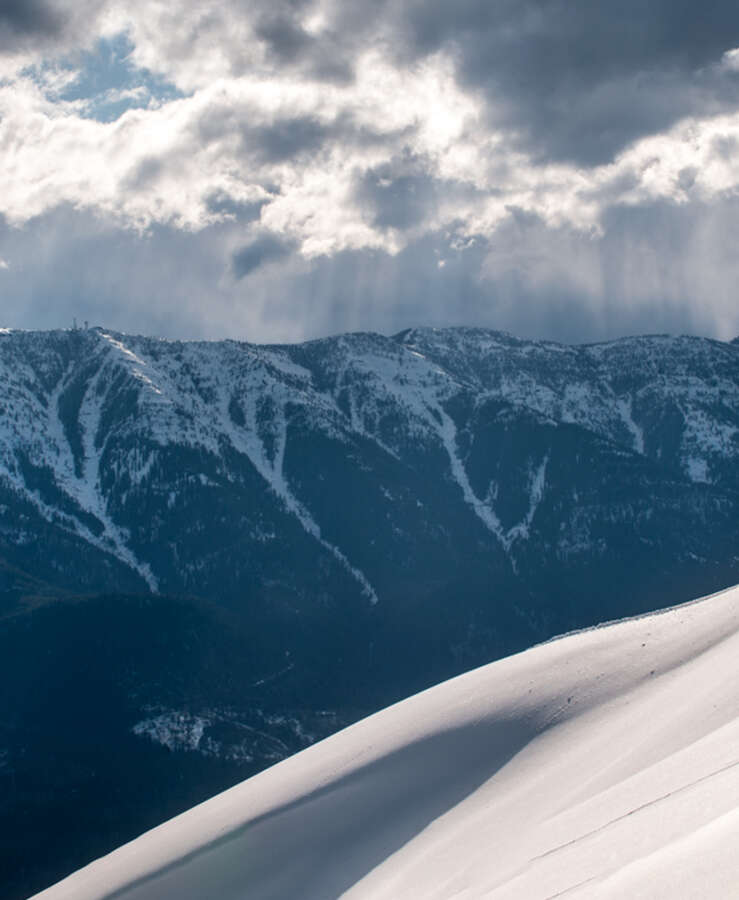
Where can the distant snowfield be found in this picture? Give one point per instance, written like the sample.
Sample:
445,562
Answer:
603,764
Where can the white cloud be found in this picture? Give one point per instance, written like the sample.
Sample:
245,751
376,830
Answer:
730,60
161,165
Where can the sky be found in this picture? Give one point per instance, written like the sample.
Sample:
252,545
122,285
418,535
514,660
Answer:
277,170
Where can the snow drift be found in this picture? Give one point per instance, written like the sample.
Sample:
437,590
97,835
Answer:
605,763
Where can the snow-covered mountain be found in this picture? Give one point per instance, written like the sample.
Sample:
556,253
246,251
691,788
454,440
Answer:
182,467
603,764
214,554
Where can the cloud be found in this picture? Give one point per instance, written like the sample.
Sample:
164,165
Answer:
263,249
652,269
579,80
387,164
222,205
25,17
572,80
285,139
397,194
51,26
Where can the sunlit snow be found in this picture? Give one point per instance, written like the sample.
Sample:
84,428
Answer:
603,764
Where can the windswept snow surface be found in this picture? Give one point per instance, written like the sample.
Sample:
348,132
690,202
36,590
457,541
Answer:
603,764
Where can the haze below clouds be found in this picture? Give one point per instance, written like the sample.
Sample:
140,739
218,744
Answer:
276,171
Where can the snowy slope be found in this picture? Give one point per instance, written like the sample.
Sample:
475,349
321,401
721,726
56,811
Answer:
605,763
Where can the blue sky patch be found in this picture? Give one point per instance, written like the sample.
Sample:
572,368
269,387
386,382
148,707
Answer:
108,82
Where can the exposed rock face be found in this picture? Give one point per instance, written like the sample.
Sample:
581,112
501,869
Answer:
352,518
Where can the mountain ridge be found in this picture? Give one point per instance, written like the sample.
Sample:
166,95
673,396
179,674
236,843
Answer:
434,369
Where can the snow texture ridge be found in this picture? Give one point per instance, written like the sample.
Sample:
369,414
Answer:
603,763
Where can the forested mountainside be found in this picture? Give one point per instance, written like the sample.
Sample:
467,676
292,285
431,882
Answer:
244,547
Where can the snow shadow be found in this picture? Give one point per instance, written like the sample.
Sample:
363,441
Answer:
321,844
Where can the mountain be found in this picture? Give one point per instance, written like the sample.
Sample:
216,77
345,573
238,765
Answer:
234,472
601,764
214,554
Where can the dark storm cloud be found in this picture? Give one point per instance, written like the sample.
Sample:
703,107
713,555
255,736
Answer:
285,37
292,137
279,26
23,19
396,199
289,138
275,141
404,192
327,57
263,249
55,26
576,80
285,139
579,79
301,137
